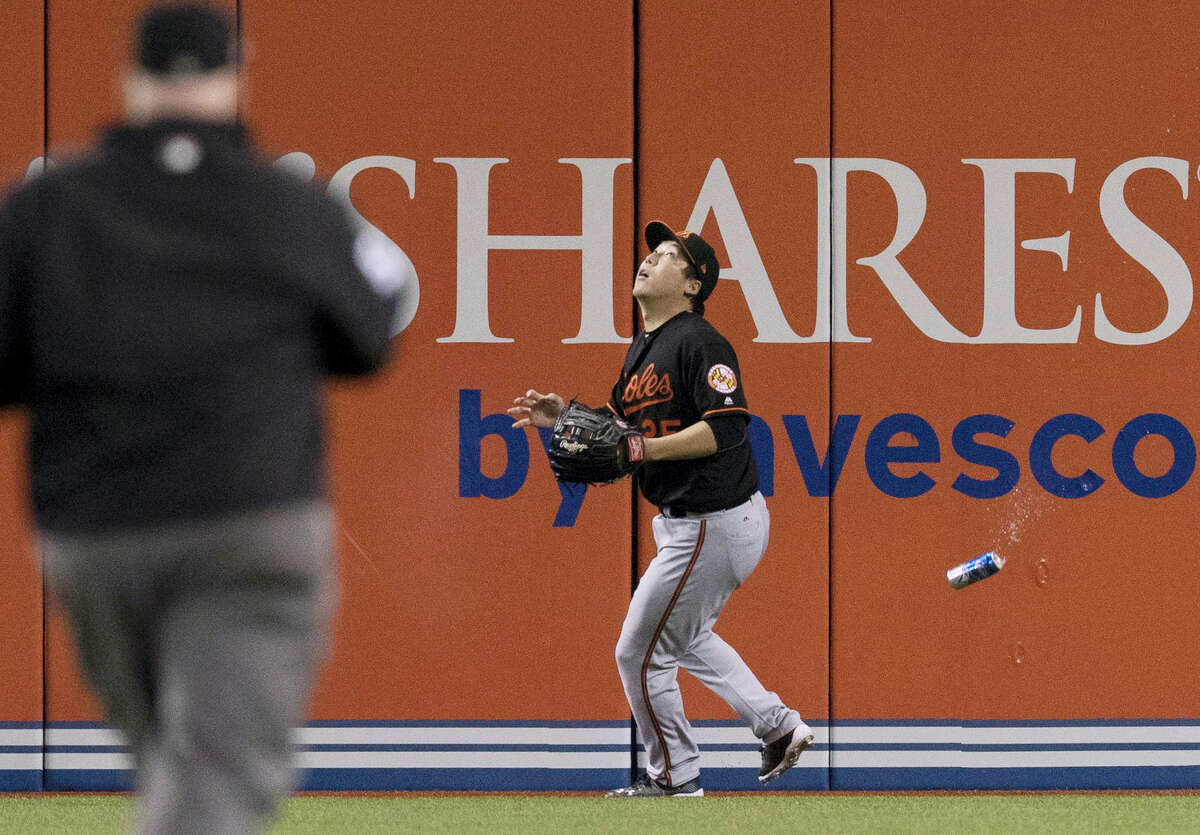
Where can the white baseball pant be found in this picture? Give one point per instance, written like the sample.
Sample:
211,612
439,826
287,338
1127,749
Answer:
701,560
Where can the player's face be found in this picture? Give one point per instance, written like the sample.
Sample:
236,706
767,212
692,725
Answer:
663,274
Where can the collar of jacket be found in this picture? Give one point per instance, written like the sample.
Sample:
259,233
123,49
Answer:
148,136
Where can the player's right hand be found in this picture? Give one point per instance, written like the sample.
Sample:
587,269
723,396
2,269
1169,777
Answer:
535,409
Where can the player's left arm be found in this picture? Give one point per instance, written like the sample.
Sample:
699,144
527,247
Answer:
714,386
697,441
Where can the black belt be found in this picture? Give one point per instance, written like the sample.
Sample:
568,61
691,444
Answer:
677,512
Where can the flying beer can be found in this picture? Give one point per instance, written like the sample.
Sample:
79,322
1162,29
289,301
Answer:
972,571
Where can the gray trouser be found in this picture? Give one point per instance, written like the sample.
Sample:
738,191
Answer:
203,640
701,560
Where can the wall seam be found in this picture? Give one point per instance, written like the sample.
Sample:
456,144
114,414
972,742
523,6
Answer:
634,528
42,574
829,446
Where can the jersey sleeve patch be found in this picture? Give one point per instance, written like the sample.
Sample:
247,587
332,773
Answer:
722,379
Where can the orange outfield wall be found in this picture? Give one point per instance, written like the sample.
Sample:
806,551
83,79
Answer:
1093,615
889,299
21,589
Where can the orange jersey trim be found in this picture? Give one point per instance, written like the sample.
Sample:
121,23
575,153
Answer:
724,411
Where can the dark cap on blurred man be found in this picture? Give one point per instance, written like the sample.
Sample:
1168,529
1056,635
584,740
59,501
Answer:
184,39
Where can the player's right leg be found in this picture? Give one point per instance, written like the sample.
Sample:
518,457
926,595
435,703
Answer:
661,623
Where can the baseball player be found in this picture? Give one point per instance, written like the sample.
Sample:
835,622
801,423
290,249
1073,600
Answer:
681,387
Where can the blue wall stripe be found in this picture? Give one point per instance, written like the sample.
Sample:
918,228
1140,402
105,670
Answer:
89,780
1015,779
76,725
715,779
20,780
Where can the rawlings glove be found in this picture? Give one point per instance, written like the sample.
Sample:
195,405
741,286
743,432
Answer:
593,446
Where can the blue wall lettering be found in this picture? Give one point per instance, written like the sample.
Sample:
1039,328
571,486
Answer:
1042,446
1008,471
880,453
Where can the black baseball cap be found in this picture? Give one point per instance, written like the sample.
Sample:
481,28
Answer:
695,248
183,38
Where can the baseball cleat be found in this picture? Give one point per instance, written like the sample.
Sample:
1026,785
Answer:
646,786
780,755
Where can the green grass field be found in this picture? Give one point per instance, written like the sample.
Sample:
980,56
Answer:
1026,813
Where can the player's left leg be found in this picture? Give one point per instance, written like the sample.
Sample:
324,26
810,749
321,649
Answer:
718,667
740,537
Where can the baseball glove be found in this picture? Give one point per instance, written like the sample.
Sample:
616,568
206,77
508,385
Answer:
593,446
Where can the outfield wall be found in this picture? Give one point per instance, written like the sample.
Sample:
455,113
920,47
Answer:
956,240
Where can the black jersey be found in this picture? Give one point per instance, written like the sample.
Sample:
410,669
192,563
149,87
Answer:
682,372
169,328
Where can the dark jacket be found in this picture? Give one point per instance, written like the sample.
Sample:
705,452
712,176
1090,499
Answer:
168,308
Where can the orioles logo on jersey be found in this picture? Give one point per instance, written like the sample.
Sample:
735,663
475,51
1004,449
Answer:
722,378
646,389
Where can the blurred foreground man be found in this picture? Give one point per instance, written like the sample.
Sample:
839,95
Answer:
169,307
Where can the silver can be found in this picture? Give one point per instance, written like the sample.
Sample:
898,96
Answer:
972,571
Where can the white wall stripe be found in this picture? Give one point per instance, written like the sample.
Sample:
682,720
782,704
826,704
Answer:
523,759
1017,735
922,734
1103,735
1058,759
20,736
56,761
895,759
26,762
463,759
461,736
83,736
387,759
1012,759
617,760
